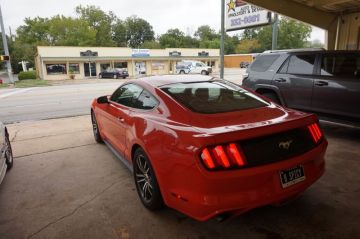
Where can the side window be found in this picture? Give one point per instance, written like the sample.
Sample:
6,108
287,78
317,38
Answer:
145,101
301,64
198,65
126,95
344,65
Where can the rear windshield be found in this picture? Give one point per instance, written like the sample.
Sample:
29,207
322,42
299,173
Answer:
213,97
263,62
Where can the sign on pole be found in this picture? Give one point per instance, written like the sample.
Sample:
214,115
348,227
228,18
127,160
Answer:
240,15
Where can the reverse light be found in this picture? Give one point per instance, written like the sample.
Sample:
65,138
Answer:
223,157
315,132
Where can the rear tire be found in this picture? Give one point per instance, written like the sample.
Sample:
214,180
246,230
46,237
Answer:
182,72
8,153
146,183
204,73
115,76
273,97
100,76
96,131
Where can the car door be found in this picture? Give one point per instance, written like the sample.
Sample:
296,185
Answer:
295,80
118,114
337,86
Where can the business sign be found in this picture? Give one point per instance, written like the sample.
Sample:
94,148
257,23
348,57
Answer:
240,15
140,53
203,53
174,53
88,53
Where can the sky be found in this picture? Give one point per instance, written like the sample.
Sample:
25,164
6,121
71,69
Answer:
186,15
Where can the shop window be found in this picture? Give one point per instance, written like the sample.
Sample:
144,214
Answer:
158,65
56,69
74,68
121,65
104,66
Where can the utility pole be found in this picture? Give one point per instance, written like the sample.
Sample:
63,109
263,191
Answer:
222,39
275,32
6,49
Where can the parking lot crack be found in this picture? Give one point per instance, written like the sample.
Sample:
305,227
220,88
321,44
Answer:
73,211
15,134
55,150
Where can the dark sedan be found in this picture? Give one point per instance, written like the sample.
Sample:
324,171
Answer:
114,73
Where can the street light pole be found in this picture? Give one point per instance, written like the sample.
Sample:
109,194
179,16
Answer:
6,49
275,27
222,39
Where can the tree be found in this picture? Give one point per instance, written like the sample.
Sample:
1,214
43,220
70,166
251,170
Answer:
119,33
248,46
173,38
292,34
66,31
138,31
206,33
150,45
100,21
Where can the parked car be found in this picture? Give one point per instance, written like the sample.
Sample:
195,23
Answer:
193,67
114,73
325,82
207,147
6,156
244,64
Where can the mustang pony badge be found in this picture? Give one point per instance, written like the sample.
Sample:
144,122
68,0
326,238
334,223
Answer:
285,144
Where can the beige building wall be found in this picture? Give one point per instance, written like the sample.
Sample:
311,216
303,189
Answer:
159,62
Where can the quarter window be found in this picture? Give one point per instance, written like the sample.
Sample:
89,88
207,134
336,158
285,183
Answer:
344,65
127,95
145,101
301,64
263,62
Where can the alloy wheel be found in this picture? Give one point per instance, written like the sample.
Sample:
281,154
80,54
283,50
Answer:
144,178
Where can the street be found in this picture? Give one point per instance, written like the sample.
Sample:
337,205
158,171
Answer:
50,102
17,105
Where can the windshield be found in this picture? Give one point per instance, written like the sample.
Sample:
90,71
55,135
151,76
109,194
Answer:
213,97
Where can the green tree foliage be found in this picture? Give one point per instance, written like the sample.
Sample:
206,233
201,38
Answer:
291,34
138,31
150,45
99,21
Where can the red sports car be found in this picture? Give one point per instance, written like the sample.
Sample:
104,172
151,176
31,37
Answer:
207,147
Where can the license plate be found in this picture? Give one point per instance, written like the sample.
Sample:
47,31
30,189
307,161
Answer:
292,176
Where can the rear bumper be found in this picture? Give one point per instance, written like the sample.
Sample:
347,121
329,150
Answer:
214,193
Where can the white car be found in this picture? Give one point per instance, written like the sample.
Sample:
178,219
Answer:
6,155
193,67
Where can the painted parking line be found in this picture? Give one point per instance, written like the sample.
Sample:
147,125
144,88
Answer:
14,93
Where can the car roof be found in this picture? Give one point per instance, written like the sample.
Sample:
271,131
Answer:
158,81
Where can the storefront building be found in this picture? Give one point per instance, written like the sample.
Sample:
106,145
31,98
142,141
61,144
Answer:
58,63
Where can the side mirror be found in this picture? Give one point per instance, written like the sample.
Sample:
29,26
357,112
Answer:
103,100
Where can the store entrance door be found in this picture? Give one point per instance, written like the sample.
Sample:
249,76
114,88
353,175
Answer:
90,69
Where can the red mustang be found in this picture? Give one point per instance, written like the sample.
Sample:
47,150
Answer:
207,147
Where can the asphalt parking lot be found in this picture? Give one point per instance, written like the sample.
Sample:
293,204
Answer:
64,185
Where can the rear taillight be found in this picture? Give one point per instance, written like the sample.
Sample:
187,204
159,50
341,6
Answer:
315,132
227,156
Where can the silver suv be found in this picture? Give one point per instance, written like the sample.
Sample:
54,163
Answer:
325,82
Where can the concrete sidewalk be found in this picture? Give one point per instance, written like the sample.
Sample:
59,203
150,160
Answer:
64,185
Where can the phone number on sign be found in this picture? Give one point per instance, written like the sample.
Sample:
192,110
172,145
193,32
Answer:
245,20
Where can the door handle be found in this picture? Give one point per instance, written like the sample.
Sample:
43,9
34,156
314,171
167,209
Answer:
321,83
121,120
280,80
